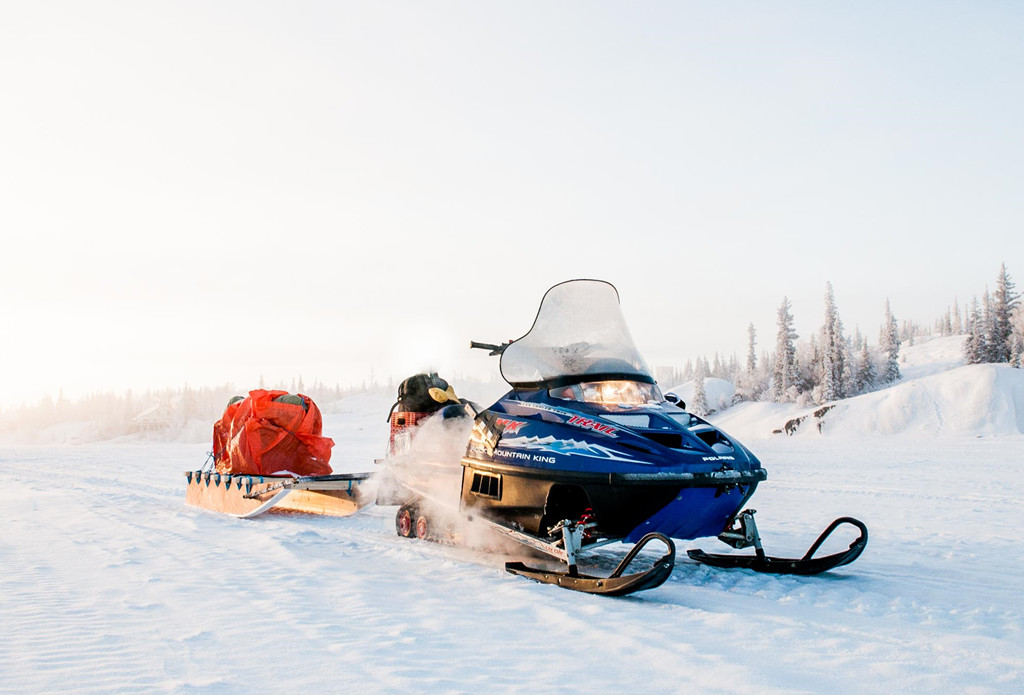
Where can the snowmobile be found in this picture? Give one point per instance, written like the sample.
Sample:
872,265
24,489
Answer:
585,450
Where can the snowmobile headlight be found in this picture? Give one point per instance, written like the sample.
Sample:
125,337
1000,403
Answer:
621,392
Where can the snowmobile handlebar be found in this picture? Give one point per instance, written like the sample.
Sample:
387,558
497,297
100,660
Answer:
493,349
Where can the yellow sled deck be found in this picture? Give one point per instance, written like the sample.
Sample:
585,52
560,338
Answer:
246,496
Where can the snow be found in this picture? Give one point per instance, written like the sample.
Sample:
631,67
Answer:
931,355
111,584
718,393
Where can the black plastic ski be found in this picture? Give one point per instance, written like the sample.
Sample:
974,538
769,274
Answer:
614,585
807,565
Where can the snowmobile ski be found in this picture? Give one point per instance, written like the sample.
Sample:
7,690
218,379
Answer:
413,521
615,584
743,534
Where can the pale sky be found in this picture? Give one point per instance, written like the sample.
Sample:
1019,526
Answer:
207,192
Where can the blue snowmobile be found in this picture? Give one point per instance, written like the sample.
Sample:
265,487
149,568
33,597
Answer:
585,450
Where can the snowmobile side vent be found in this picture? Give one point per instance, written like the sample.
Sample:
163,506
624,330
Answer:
486,485
713,437
673,440
634,447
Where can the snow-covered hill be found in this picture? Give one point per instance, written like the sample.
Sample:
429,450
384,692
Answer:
937,396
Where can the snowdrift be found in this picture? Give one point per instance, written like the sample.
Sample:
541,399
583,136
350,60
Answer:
981,400
932,355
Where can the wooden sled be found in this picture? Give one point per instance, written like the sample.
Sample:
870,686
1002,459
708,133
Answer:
246,496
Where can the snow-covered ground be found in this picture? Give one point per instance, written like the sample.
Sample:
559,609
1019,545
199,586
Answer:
110,583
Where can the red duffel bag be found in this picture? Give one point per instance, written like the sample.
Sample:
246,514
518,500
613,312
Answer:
271,432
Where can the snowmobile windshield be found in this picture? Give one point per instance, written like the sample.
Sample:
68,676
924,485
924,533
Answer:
579,336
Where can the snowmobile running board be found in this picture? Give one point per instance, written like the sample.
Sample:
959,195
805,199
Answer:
743,534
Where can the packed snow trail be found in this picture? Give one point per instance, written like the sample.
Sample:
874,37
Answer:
112,584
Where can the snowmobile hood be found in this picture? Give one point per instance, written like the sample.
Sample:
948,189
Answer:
531,429
579,335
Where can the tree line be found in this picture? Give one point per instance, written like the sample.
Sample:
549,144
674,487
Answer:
163,414
832,364
995,326
185,413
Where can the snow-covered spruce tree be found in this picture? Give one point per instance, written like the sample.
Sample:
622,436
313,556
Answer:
833,352
849,368
1017,337
746,380
1004,302
853,362
1017,348
751,351
700,400
974,345
987,327
784,371
958,327
866,373
991,350
806,373
889,345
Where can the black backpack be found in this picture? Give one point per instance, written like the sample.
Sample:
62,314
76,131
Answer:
414,394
